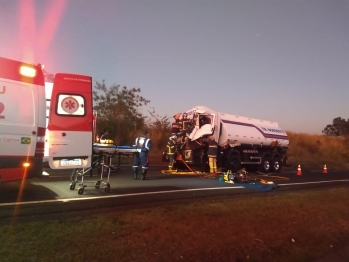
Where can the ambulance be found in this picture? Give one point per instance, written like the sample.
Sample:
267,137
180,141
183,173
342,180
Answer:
23,121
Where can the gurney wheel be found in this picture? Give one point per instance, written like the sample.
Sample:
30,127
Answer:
107,189
72,186
81,191
97,184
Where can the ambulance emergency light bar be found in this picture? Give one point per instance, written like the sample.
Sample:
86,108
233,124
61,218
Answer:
27,71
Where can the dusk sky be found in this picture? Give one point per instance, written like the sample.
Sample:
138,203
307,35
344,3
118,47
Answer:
283,61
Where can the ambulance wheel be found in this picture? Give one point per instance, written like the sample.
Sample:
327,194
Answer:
234,164
81,191
266,165
276,165
72,186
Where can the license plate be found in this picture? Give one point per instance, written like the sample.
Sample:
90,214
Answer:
71,162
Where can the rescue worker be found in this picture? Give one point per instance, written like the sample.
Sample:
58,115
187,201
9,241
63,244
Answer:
143,145
212,154
171,150
102,135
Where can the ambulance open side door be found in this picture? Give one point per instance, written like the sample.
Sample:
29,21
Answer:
70,124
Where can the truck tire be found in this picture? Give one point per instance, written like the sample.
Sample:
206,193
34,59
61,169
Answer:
276,165
266,164
233,164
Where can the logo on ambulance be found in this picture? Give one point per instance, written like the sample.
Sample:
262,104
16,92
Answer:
70,105
25,140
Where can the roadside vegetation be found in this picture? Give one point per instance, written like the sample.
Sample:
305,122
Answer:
293,226
315,151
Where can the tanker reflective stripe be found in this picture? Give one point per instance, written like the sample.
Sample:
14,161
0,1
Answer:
280,134
71,105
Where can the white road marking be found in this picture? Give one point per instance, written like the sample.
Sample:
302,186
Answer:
153,193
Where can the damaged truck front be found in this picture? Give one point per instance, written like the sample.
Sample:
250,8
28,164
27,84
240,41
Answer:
242,141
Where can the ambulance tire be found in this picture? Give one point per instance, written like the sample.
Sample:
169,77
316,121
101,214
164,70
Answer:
233,164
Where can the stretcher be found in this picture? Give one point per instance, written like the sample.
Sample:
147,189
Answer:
101,159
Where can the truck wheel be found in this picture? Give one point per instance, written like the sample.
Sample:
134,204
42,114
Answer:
233,164
266,165
276,165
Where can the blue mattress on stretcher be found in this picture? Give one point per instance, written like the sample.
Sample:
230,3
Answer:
104,148
126,149
111,149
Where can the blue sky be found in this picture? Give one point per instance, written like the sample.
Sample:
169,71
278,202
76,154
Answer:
284,61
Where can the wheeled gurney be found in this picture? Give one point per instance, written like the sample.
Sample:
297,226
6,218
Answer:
101,159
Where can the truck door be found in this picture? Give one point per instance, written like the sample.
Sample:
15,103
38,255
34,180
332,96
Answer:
70,122
205,126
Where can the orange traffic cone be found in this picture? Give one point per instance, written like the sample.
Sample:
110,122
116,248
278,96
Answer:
299,171
325,170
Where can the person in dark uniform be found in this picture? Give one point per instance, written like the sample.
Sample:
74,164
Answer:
143,145
212,154
171,150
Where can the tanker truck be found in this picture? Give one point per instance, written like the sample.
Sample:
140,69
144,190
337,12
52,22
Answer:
242,141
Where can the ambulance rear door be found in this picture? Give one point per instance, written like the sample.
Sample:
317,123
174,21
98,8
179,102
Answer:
70,122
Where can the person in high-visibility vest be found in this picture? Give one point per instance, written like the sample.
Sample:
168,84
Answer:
143,145
212,154
171,150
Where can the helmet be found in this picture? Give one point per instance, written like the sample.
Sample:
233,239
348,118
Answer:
173,137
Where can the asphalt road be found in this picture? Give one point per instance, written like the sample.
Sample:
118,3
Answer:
47,197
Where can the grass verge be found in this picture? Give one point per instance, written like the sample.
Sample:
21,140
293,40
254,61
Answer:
291,226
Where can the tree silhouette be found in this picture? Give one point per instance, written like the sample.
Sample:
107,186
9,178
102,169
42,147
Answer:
118,110
339,127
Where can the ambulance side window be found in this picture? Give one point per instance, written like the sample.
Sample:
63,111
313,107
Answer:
71,104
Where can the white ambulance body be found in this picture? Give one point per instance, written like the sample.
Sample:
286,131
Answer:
22,120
